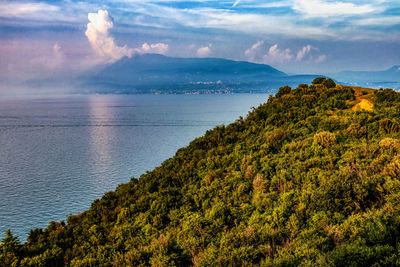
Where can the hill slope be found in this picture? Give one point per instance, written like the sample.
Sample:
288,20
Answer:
152,73
302,180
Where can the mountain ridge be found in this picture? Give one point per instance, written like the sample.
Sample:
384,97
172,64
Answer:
150,73
389,77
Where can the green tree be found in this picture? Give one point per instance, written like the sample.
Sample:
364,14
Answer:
319,80
283,91
10,250
329,83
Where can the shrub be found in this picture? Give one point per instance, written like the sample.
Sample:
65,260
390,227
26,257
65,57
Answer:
329,83
390,145
319,80
309,100
356,130
283,91
386,96
275,139
389,126
393,169
325,139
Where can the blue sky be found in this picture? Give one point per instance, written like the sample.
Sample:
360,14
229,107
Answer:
296,36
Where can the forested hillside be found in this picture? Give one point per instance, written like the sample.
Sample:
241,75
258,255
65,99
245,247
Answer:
310,178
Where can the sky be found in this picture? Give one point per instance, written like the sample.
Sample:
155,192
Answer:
43,39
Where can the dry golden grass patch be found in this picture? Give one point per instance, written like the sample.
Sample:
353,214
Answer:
364,104
364,99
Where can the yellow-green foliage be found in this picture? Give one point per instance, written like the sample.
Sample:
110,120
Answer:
390,144
356,130
325,139
301,181
393,168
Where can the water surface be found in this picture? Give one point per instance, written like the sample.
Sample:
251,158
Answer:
58,154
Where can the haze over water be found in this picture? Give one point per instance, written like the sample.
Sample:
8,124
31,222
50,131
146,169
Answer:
59,154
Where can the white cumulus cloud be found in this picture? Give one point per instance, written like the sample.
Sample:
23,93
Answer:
158,48
310,53
303,52
99,37
258,52
204,51
277,55
252,52
103,44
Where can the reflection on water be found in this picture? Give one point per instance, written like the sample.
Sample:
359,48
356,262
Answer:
59,154
101,139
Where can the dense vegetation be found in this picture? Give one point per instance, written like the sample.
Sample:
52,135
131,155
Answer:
302,180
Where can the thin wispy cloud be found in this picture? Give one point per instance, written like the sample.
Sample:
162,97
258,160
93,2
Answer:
26,10
320,8
53,61
314,19
378,21
292,31
236,3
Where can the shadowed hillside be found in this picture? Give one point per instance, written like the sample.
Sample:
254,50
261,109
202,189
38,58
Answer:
311,178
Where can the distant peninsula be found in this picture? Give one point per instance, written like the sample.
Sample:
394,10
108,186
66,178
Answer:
153,73
158,74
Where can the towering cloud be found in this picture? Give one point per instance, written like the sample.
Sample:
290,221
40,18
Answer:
99,37
98,34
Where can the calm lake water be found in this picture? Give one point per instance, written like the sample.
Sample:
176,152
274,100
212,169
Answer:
59,154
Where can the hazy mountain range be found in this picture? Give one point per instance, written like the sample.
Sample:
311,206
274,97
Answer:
153,73
160,74
376,79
